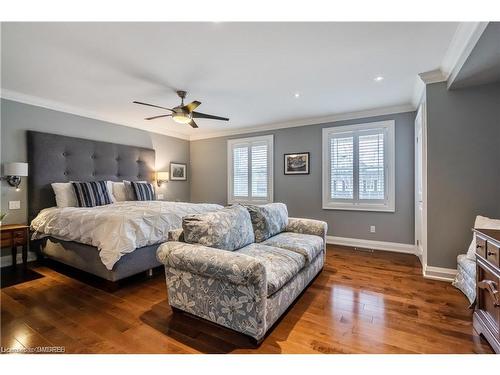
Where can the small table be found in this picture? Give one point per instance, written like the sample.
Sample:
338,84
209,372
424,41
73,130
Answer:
14,235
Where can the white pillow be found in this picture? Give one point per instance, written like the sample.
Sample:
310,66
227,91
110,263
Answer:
65,195
109,186
482,222
119,191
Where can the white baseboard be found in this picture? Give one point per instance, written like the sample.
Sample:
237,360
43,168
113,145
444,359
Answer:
429,272
6,260
372,245
439,273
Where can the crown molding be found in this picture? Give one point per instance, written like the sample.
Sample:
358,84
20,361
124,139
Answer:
61,107
432,76
310,121
463,42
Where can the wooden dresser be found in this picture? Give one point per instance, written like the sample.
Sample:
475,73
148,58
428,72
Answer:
487,311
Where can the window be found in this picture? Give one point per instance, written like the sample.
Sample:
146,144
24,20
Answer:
250,170
358,167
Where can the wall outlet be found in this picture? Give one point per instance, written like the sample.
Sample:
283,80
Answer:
14,205
372,228
159,196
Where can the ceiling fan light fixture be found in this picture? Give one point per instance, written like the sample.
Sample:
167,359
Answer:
181,118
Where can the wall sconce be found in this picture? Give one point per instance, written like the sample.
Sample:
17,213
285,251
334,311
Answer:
161,177
13,173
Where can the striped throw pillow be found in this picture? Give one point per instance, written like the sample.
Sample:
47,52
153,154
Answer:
144,191
91,194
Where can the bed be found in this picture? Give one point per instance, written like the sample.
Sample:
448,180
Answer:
113,241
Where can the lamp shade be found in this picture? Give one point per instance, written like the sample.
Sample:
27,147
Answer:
15,169
162,176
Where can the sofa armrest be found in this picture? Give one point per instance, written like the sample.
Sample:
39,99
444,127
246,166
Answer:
176,235
222,265
307,226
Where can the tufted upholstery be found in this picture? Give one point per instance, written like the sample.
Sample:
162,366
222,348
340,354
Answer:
57,158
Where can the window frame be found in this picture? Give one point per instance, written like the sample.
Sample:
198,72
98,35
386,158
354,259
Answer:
249,141
388,204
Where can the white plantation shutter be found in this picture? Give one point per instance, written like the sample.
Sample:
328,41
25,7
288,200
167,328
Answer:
250,166
358,167
341,168
240,171
259,171
371,166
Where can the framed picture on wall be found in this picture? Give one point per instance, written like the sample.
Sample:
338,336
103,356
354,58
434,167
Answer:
297,163
178,172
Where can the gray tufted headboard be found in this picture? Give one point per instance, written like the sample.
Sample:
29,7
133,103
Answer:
57,158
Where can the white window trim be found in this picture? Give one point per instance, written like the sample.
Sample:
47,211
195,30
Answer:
269,139
389,203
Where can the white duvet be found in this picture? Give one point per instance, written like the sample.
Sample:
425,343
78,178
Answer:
118,228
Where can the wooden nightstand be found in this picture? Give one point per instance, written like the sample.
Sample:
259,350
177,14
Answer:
14,235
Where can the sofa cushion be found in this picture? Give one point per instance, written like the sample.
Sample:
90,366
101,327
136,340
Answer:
268,220
281,265
227,229
305,244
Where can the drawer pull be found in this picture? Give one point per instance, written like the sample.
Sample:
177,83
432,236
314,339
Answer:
490,253
491,287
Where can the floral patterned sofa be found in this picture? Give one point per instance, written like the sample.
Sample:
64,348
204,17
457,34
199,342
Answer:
243,266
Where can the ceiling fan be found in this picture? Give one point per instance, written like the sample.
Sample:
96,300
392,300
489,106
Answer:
183,114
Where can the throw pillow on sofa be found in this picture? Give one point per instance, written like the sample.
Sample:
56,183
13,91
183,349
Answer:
268,220
226,229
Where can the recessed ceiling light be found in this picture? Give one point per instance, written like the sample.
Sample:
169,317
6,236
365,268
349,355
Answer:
297,94
378,78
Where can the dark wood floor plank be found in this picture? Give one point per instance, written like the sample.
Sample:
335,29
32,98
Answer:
362,302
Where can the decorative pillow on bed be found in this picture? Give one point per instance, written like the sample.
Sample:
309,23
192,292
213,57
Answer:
226,229
144,191
119,191
482,222
91,194
129,190
268,219
65,194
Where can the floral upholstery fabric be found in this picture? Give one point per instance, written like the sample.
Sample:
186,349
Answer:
246,290
227,229
465,280
213,263
281,265
307,245
279,302
268,220
176,235
307,226
231,290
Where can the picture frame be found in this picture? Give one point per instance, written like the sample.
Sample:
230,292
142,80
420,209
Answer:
296,163
178,172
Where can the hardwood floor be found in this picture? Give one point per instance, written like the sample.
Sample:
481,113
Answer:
362,302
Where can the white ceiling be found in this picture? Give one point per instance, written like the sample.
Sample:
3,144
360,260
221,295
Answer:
248,72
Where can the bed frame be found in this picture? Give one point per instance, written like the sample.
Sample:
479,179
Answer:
57,158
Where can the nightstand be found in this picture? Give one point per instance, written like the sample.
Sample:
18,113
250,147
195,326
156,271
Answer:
14,235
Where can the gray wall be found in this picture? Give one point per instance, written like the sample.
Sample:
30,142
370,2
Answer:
302,193
17,117
463,166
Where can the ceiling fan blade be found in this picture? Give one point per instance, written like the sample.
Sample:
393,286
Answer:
152,105
193,124
154,117
191,106
204,115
